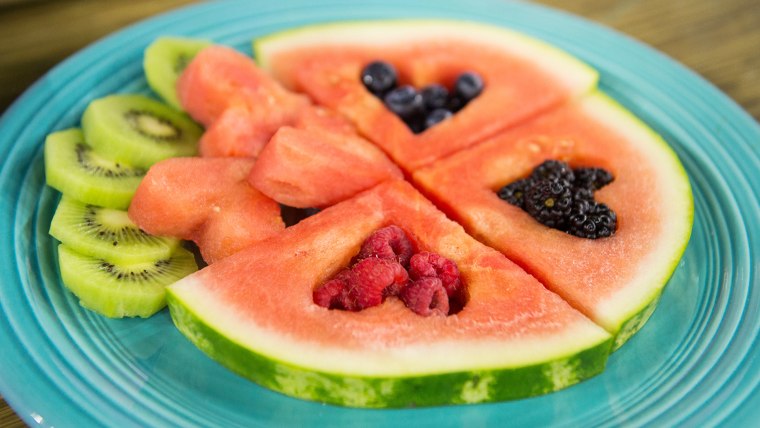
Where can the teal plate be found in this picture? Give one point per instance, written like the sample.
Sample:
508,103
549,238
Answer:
696,362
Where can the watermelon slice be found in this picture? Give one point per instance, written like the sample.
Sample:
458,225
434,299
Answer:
616,281
254,313
206,200
523,77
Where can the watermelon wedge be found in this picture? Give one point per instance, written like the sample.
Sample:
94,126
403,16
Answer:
523,77
615,281
253,312
206,200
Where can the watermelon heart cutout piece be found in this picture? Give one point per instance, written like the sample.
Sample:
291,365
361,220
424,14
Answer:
522,77
240,105
616,281
205,200
317,168
254,313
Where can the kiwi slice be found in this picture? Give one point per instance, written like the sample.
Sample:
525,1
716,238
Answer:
106,233
164,61
123,289
138,130
74,169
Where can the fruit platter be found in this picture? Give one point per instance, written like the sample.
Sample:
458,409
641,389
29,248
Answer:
359,219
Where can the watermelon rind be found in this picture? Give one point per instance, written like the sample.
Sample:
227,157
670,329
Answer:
575,74
627,310
301,370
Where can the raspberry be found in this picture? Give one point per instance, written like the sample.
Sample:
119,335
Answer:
426,296
432,265
370,280
365,285
426,264
333,293
390,243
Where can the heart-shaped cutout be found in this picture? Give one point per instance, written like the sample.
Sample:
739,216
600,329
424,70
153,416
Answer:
421,108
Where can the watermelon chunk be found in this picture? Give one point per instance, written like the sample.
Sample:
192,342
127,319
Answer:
253,312
616,281
206,200
219,79
523,77
317,168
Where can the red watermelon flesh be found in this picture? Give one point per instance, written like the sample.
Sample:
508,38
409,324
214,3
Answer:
316,168
522,77
509,321
240,105
205,200
612,280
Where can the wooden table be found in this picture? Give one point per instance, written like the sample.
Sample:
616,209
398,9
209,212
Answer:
718,39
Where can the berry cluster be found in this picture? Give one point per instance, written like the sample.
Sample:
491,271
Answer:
424,108
387,265
563,198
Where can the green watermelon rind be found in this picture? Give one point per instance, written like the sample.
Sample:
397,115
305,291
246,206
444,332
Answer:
634,317
578,75
478,385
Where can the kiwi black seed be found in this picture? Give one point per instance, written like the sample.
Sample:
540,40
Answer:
138,130
106,233
122,289
165,60
74,169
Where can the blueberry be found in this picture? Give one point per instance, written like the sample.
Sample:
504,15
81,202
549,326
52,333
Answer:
468,86
436,116
434,96
405,101
379,77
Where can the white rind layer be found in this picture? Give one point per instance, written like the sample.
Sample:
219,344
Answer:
571,72
657,267
423,358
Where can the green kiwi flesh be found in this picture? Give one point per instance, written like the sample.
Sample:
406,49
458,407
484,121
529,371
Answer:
74,169
139,130
164,61
124,289
106,233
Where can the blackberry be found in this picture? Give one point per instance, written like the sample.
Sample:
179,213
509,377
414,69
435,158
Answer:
514,192
592,178
379,77
598,222
549,201
552,169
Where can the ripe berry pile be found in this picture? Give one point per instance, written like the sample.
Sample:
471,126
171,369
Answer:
563,198
387,265
424,108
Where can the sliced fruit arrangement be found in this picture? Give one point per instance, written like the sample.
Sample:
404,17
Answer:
616,281
206,200
521,77
577,213
254,312
110,264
